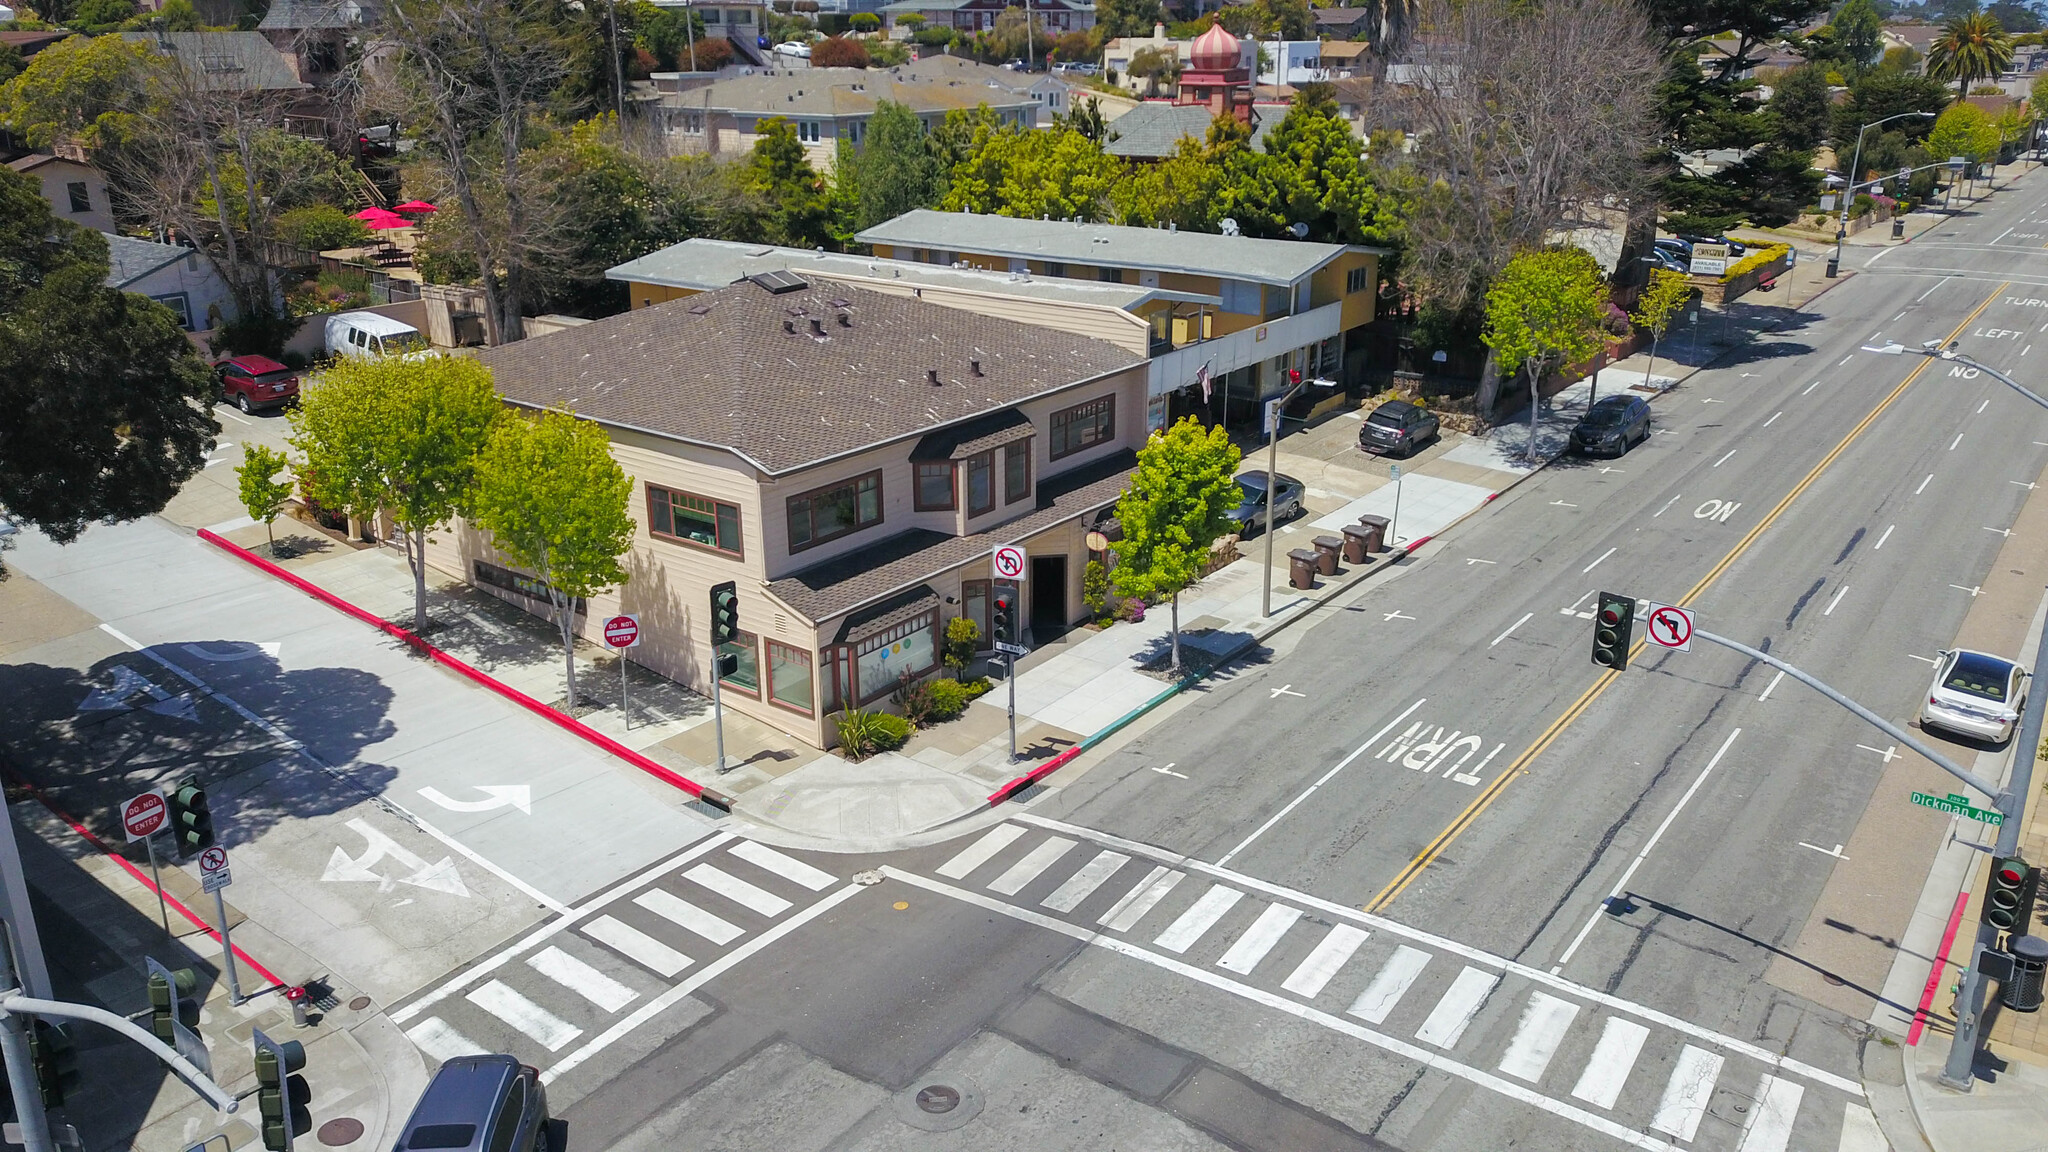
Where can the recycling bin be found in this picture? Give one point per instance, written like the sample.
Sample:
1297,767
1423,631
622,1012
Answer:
1301,568
1327,549
1358,542
1378,526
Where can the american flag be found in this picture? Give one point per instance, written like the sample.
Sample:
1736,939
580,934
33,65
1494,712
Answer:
1202,378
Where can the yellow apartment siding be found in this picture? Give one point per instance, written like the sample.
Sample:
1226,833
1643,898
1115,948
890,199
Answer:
645,295
1328,285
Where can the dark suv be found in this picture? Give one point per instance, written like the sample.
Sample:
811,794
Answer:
252,382
1398,428
480,1104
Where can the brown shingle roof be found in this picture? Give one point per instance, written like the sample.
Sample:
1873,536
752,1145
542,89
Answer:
974,437
720,368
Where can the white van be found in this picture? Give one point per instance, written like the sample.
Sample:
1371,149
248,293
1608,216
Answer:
371,334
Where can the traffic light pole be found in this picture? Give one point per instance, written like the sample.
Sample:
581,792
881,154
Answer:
1010,674
21,1076
13,1005
717,711
227,950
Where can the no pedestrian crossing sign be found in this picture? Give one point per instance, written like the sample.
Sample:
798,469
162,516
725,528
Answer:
1957,805
622,631
213,870
1670,627
143,816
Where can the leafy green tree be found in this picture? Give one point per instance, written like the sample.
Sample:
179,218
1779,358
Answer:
1055,172
1964,130
2037,95
554,502
1899,58
1543,312
1087,119
2015,16
84,87
103,15
1803,106
1182,190
108,406
893,171
1665,294
1287,19
1969,47
670,34
263,494
865,23
10,63
319,227
1859,32
798,212
1312,175
963,636
616,204
1128,17
1754,24
401,436
1177,505
1154,66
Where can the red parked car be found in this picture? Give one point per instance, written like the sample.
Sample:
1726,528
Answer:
252,382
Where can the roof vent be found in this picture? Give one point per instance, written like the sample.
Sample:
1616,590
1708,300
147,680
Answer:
845,319
789,326
974,366
843,302
701,310
817,328
779,281
931,377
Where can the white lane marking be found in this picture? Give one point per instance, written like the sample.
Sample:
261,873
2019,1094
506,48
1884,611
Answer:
1083,884
1766,695
1923,484
1035,861
1774,418
437,1039
1923,659
1545,1020
1888,751
1622,884
1930,291
1400,1048
1330,955
1596,563
2002,235
1846,359
1259,939
1389,985
1201,916
738,891
1860,1132
976,854
1511,628
1973,591
1839,593
795,871
1770,1121
1168,771
1471,560
1836,852
1336,911
568,920
1561,504
533,1021
1621,1041
1396,614
1448,1020
1809,388
1294,803
1725,459
2006,532
1958,440
1881,539
637,946
1687,1092
1902,311
681,912
581,979
1665,508
1125,913
1983,406
1284,690
668,999
221,410
1711,401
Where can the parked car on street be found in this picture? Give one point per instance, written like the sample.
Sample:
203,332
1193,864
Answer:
476,1103
253,382
1613,425
1250,515
1675,246
1975,694
793,48
373,334
1735,247
1398,428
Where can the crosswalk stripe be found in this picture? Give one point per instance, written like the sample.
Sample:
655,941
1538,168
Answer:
738,891
790,869
1140,900
1545,1020
636,946
1770,1122
976,854
1448,1019
1323,963
1621,1041
1260,938
1201,916
679,911
1378,1000
1035,861
1083,884
1687,1092
437,1039
581,979
537,1023
1860,1132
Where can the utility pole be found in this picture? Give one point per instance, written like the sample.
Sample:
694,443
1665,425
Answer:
21,1076
1275,407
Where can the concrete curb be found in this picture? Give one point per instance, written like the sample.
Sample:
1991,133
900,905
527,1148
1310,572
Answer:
568,723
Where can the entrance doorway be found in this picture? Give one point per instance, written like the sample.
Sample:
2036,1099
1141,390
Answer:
1048,595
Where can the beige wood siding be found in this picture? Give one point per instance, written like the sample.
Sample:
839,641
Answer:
1114,325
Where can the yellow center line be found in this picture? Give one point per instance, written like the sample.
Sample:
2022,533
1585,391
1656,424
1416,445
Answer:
1520,766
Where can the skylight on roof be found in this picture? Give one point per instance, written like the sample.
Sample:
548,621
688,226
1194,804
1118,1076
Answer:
779,281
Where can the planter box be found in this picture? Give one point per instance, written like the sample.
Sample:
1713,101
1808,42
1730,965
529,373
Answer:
1716,291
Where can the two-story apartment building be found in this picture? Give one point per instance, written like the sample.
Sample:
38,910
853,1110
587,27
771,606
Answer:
850,458
1282,305
1054,16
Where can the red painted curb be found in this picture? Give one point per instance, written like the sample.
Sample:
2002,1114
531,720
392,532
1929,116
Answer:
1416,544
1034,776
1948,940
660,772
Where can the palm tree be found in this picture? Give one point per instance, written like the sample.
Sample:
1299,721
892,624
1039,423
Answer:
1970,48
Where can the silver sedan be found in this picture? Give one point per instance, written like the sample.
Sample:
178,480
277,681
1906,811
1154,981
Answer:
1975,694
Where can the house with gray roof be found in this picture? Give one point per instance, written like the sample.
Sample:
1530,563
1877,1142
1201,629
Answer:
226,61
1154,129
178,278
1055,16
849,457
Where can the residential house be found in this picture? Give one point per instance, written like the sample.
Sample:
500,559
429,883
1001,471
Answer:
1054,16
1154,129
1049,92
1281,305
179,278
245,62
744,22
315,35
850,458
827,105
1293,62
1343,23
76,190
1911,34
1117,55
1342,58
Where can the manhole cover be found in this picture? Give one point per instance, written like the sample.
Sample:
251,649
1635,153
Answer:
1831,978
938,1098
335,1133
359,1003
939,1105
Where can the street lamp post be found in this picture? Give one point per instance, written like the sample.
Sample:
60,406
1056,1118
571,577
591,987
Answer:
1849,189
1275,407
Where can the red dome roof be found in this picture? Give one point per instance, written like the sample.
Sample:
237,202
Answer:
1215,51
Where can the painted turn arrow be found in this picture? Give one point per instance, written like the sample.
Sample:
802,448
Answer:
519,796
441,877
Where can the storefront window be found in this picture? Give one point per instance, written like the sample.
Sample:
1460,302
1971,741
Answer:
747,677
907,648
789,676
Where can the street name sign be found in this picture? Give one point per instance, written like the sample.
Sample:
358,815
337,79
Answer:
1012,649
1670,627
1009,562
1957,805
143,816
622,631
213,870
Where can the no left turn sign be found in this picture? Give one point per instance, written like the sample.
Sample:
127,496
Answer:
1671,627
1009,562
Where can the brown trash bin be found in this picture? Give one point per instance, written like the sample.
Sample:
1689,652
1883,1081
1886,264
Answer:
1378,526
1301,568
1358,542
1327,548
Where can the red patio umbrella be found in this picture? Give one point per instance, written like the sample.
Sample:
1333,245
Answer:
372,215
415,206
387,220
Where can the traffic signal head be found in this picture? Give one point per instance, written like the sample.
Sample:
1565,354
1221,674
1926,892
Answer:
165,997
281,1097
1003,617
725,614
55,1060
1614,626
2011,895
191,819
